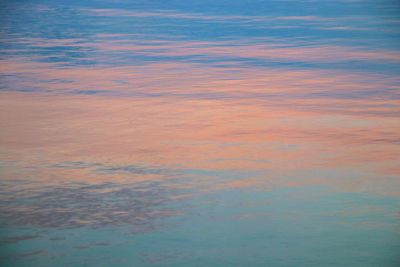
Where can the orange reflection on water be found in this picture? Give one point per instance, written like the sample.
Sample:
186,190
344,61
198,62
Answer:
233,142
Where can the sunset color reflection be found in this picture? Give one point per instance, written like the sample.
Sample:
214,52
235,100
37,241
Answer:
137,133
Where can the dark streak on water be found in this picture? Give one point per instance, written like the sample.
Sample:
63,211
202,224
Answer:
82,205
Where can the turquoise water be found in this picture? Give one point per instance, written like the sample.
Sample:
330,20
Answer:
286,227
199,133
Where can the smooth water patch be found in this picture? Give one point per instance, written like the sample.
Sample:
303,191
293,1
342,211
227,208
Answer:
297,226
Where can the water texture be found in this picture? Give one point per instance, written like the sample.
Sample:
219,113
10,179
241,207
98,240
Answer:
199,133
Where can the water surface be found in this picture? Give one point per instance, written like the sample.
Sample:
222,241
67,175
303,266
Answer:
199,133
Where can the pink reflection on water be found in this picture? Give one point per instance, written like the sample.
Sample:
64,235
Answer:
228,127
41,130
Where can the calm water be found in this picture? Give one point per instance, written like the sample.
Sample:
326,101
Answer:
200,133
